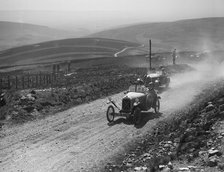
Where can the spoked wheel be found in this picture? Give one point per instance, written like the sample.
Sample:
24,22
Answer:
129,118
157,106
137,116
110,113
167,82
167,85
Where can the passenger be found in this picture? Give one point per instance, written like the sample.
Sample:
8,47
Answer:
174,55
164,72
140,87
140,81
153,70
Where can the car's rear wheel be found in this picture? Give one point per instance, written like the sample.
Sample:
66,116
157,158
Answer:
167,85
129,118
110,113
157,106
167,82
137,116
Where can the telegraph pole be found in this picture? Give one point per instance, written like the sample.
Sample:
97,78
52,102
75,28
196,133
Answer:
150,55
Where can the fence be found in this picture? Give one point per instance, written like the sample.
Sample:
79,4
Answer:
25,81
60,79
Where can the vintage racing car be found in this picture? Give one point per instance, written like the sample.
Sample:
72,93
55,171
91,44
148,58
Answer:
138,98
158,78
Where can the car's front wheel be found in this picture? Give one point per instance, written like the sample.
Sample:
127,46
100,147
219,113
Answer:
157,106
167,82
137,116
110,113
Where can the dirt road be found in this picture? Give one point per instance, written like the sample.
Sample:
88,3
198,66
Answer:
80,138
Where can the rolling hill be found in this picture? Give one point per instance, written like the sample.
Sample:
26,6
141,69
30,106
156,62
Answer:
18,34
63,50
192,34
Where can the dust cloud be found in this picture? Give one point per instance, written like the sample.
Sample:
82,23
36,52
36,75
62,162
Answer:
205,71
185,86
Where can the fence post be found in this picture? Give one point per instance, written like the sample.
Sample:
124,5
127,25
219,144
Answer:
23,84
56,80
28,78
40,83
48,79
8,82
33,81
46,76
49,75
36,80
43,78
1,86
66,82
16,82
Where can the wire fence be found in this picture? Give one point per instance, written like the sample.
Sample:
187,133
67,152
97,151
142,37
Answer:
38,80
44,80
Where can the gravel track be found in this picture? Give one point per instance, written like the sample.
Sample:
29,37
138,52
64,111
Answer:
80,139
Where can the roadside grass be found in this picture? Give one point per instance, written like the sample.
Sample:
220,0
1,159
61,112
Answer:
178,126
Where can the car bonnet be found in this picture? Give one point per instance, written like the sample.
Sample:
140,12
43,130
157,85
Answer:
154,75
134,95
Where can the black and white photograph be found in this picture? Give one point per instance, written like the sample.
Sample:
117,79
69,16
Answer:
111,85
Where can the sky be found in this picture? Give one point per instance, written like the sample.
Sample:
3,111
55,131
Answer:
101,14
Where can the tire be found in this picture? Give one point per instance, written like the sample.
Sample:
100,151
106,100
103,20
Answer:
130,118
167,84
110,113
137,116
157,106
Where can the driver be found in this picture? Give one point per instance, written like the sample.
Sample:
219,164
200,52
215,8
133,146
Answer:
140,81
140,87
164,72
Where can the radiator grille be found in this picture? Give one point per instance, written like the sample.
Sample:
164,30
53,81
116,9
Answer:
126,104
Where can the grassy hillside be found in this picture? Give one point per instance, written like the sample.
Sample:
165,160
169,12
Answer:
193,34
18,34
62,50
